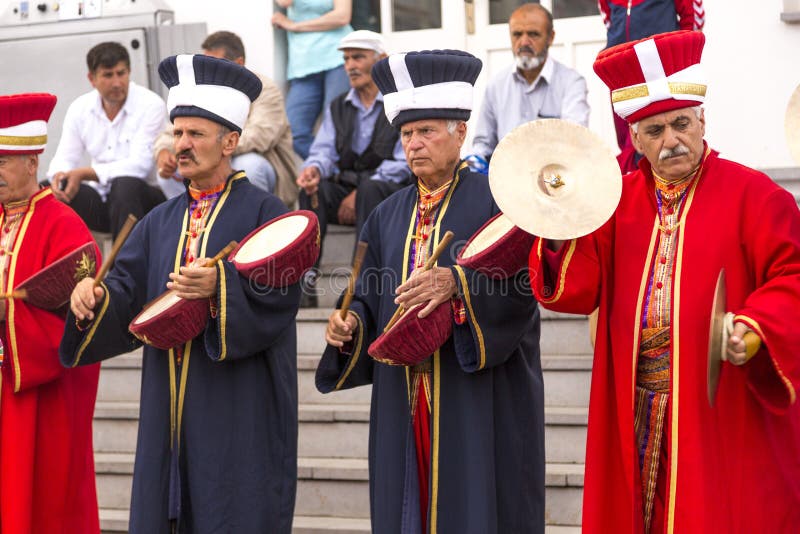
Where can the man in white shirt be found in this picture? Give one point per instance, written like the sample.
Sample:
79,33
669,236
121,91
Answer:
115,124
535,87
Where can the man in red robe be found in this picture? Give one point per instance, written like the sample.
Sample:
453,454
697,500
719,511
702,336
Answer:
47,481
659,459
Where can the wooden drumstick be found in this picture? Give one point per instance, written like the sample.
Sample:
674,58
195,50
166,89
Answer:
221,254
445,241
118,242
19,294
361,251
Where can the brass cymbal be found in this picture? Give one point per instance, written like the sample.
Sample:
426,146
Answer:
792,125
555,179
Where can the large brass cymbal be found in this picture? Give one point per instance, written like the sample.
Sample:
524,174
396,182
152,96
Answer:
555,179
792,125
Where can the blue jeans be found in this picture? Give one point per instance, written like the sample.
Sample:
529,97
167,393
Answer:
259,171
307,97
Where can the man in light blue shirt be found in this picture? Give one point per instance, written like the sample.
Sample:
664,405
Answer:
356,159
535,87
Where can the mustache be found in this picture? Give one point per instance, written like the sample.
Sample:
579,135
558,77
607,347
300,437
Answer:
354,72
188,153
667,153
526,48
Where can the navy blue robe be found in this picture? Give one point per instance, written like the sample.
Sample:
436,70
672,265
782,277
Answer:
487,400
229,464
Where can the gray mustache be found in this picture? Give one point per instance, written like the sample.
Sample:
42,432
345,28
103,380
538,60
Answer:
667,153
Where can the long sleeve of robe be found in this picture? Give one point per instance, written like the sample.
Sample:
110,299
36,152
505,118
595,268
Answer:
218,420
734,467
487,403
45,486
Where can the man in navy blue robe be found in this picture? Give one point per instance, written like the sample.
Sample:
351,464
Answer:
456,443
217,445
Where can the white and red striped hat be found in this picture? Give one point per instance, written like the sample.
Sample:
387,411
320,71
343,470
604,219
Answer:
654,75
23,122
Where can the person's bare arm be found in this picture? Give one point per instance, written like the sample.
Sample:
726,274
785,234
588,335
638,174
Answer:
335,18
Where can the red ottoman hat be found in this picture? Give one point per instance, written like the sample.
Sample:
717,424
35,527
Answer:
23,122
654,75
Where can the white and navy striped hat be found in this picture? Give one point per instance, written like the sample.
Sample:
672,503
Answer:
432,84
209,87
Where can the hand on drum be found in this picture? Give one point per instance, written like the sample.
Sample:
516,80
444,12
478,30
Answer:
84,298
194,281
340,331
432,287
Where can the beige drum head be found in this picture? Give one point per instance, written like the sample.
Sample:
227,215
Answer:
488,236
272,239
555,179
164,302
792,125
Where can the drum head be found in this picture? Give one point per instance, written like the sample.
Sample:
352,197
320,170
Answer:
158,306
555,179
488,236
272,238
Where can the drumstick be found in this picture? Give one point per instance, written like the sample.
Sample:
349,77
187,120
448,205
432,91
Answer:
19,294
361,250
448,236
221,254
121,237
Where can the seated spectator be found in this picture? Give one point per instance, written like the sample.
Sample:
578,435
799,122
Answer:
356,159
115,125
535,87
265,147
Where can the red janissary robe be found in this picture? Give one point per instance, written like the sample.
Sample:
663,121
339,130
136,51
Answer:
734,468
47,482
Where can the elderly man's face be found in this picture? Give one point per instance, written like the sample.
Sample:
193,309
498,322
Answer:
672,142
18,177
432,151
358,65
200,147
530,38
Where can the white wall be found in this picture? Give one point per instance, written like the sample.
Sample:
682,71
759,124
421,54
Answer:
751,59
247,18
753,65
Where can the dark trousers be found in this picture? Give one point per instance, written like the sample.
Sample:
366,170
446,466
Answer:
127,196
330,196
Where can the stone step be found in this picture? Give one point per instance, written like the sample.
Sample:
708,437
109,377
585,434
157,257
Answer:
330,525
338,430
329,486
337,487
115,426
337,248
121,377
566,382
562,334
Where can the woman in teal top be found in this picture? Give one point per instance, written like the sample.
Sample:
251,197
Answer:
316,68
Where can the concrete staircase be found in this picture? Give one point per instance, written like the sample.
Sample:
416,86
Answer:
332,490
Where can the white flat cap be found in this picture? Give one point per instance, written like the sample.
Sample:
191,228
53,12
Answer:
363,39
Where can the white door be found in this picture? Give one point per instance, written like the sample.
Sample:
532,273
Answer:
480,27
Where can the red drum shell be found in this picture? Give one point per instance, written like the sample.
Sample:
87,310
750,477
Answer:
177,323
51,287
412,340
286,266
499,249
